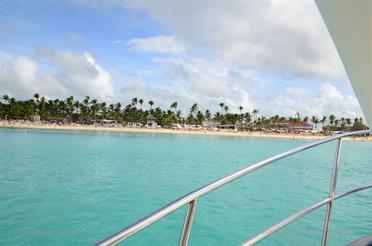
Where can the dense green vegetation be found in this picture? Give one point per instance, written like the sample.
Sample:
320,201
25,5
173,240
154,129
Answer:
90,110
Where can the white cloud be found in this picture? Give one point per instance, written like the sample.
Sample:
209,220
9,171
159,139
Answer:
264,37
19,78
190,80
137,87
79,73
284,37
328,101
159,44
69,74
187,80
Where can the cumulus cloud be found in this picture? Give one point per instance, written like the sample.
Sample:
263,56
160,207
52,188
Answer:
273,38
68,74
328,101
284,37
211,82
159,44
162,96
191,80
19,78
187,80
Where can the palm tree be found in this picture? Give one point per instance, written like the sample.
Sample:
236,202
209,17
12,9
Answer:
207,114
28,108
331,119
134,101
178,114
174,105
315,121
111,110
221,104
193,108
55,108
226,108
240,109
254,113
36,96
140,102
151,103
42,108
296,118
5,98
70,106
337,121
103,109
323,120
85,106
117,110
200,118
348,121
77,106
217,116
14,108
94,108
343,123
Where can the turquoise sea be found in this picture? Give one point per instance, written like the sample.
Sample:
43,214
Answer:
76,187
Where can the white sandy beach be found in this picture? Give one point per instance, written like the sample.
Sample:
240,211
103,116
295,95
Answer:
30,125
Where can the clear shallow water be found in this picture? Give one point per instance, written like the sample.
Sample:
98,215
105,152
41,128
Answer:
75,188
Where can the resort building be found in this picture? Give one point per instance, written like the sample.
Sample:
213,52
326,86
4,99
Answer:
209,124
35,118
294,126
105,122
151,121
241,124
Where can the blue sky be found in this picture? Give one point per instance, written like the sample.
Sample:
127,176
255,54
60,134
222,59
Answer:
76,27
245,53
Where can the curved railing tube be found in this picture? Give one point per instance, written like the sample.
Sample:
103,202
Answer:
191,198
298,215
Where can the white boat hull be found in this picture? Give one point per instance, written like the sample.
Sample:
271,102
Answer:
350,25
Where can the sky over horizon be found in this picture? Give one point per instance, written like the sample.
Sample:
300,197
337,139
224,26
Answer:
274,56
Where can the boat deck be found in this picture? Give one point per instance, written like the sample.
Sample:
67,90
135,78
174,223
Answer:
364,241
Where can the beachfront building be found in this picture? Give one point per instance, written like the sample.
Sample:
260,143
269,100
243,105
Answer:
106,123
35,118
294,126
209,124
151,121
227,126
241,124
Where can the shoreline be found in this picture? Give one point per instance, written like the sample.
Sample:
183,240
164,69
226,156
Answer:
4,124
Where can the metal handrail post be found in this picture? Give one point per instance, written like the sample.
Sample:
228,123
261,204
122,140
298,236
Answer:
332,191
187,223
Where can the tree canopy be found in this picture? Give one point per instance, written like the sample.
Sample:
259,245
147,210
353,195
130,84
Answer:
89,110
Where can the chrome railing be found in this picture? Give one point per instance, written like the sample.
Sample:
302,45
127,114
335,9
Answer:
191,198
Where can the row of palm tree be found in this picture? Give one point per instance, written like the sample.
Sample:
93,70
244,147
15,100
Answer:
89,110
